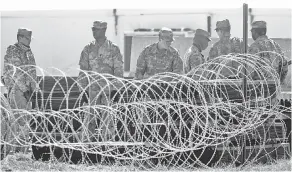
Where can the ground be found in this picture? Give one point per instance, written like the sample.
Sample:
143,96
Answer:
23,162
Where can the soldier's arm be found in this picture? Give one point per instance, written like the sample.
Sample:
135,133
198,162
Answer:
253,49
283,64
84,66
212,53
13,74
177,64
32,73
118,64
141,65
194,59
238,45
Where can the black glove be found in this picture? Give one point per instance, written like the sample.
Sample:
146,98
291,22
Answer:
27,95
232,77
85,97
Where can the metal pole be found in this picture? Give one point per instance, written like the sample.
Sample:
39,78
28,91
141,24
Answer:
245,27
209,24
245,33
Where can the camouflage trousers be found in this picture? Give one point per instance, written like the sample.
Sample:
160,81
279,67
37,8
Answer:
100,122
19,120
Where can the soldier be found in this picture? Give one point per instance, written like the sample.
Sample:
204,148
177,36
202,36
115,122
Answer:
20,81
101,56
226,45
194,56
159,57
263,44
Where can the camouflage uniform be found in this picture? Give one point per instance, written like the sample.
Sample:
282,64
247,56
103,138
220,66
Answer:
225,46
105,58
152,60
20,80
276,59
194,57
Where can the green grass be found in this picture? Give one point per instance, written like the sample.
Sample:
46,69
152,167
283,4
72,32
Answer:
23,162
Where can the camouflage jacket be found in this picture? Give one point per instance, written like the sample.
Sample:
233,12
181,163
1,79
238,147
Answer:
193,57
152,61
105,58
24,76
263,44
226,46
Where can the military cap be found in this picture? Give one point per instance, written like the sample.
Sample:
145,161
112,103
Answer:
201,32
222,24
259,24
99,24
24,32
166,33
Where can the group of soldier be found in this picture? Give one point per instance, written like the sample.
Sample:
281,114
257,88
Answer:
103,56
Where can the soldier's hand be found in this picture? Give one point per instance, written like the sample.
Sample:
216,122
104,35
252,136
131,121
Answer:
232,77
27,95
85,97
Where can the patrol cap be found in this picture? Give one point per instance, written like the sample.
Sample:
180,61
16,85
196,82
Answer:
259,24
24,32
99,24
222,24
201,32
166,34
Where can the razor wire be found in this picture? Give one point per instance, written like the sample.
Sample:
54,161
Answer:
196,119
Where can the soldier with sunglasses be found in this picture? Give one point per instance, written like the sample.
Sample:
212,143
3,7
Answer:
99,56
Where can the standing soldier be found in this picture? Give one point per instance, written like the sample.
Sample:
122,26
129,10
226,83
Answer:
20,76
100,56
268,49
159,57
194,56
192,59
226,45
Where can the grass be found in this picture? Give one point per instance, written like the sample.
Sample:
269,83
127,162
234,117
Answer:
23,162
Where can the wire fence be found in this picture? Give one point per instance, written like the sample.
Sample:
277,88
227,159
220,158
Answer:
202,118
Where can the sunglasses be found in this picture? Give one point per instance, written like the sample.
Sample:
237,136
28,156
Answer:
97,29
27,37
